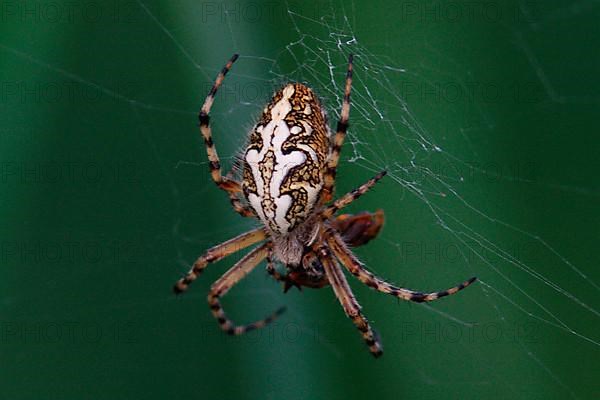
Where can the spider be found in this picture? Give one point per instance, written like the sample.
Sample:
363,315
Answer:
289,169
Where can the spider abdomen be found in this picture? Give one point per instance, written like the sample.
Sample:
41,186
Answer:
286,159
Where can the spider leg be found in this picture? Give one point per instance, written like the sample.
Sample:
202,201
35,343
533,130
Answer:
271,267
348,301
271,270
217,253
355,267
230,186
228,280
338,139
351,196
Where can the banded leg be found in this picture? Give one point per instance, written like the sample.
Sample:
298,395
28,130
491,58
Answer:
356,268
345,296
217,253
227,281
338,139
351,196
232,187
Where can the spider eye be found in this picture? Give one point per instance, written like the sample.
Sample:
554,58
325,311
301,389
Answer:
316,264
310,261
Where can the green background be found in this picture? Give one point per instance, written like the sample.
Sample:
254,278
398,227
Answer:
106,198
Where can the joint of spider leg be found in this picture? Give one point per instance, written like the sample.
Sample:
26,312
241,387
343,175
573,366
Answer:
229,186
213,91
326,193
350,65
370,342
323,251
420,298
222,74
240,209
331,171
233,59
361,322
214,165
342,126
204,119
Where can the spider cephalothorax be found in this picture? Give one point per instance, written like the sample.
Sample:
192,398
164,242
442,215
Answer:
289,168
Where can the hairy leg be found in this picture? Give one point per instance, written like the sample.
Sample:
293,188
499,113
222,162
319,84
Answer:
348,301
227,281
217,253
349,197
356,268
232,187
338,139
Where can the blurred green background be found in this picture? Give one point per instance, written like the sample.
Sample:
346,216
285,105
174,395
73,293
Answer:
106,198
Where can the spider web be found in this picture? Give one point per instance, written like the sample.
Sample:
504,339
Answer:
444,184
433,175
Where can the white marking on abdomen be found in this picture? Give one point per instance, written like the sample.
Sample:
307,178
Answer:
274,134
